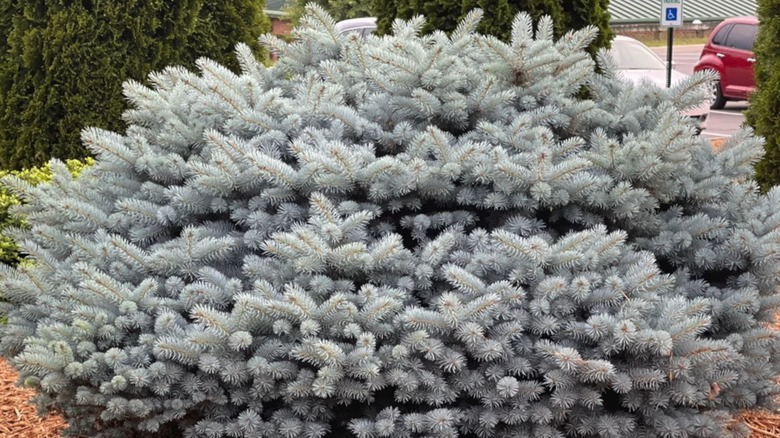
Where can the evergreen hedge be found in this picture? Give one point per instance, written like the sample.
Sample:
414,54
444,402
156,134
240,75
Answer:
445,15
62,64
763,113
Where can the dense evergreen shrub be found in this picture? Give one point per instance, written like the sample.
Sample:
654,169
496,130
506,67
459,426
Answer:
62,64
763,113
402,237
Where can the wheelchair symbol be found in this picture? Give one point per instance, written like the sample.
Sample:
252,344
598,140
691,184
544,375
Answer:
671,14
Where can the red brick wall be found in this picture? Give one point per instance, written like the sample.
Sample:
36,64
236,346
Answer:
280,27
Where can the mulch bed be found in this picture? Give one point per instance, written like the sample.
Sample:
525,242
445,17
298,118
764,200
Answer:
717,143
18,419
762,424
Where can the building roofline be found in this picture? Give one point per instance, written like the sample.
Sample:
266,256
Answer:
657,20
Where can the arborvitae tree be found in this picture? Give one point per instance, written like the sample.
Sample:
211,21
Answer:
402,237
763,114
440,14
220,25
445,15
7,12
63,63
580,13
498,14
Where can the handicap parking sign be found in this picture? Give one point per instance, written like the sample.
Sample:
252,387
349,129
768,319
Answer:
671,13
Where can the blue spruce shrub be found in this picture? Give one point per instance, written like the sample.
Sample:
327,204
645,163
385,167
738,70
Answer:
406,236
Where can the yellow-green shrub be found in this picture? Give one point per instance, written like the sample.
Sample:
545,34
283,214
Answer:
9,250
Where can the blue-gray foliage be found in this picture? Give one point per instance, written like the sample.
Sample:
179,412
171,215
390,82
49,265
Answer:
441,236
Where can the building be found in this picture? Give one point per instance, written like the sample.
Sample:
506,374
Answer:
275,11
637,17
628,17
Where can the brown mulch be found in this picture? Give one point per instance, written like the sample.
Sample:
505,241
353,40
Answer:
717,143
762,424
18,418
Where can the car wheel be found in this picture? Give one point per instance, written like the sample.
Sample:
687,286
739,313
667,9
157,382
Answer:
718,99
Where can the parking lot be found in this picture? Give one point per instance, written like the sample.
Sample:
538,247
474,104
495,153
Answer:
722,122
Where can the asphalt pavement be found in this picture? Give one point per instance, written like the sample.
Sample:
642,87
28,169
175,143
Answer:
721,123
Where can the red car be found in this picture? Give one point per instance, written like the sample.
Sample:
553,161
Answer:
729,52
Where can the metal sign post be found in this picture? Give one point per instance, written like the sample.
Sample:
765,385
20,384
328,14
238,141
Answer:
671,17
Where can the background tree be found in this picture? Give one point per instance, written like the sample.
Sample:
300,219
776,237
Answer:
580,13
499,14
7,12
220,25
763,114
445,14
63,63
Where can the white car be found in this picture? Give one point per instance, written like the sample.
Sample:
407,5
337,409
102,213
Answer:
636,62
363,26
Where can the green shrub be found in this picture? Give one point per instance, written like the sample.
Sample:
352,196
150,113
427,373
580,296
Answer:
445,15
763,113
402,237
62,64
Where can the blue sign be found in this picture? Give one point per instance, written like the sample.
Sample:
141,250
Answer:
672,13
